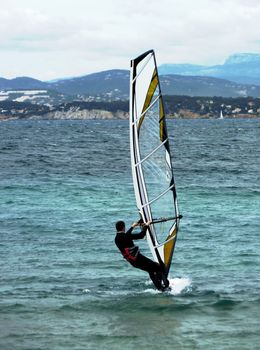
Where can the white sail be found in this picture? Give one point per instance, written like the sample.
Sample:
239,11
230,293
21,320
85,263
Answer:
152,172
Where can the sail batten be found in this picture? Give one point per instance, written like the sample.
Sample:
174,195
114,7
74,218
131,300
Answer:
142,68
158,197
143,113
150,154
152,172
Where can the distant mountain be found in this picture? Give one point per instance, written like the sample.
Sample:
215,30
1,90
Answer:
114,82
22,83
190,80
206,86
241,68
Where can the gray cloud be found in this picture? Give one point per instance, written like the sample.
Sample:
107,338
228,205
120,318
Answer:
64,38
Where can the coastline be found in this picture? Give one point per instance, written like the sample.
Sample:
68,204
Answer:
98,114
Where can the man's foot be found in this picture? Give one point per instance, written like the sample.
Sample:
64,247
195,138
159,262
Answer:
157,280
160,281
165,286
165,281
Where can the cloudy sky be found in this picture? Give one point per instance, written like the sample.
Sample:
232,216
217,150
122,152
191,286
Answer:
62,38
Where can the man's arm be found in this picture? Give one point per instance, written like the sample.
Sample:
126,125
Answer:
139,235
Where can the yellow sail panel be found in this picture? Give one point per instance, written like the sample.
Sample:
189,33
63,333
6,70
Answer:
169,246
161,121
150,92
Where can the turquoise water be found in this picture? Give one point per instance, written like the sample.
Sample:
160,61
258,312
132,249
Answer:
63,283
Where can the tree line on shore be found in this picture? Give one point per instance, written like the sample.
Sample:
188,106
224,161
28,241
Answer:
174,105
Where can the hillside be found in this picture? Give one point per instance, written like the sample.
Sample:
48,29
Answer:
114,85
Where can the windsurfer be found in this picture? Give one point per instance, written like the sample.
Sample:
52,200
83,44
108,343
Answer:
124,241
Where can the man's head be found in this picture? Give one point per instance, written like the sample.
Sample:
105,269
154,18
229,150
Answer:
120,226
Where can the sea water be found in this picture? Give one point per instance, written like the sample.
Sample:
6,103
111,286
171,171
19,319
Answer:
63,283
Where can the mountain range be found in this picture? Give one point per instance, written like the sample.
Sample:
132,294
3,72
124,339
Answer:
241,68
239,76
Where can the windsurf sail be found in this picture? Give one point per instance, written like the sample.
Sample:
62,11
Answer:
151,163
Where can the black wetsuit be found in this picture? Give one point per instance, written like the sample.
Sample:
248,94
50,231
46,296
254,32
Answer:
131,253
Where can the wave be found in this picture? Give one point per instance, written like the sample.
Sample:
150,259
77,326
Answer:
225,304
178,286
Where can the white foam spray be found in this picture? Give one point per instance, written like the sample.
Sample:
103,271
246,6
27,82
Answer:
178,285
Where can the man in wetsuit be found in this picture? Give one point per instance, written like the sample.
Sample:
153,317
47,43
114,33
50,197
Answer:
124,242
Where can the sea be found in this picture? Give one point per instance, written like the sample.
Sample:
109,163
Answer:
63,283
